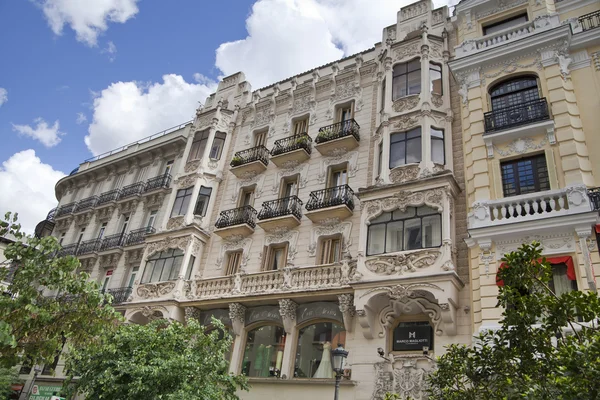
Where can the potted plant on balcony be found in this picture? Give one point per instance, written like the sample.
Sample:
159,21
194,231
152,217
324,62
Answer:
302,141
324,135
236,161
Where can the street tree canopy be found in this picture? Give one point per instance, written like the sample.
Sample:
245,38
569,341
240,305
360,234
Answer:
160,360
547,346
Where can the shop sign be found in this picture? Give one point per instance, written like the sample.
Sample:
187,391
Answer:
264,313
323,310
43,392
412,338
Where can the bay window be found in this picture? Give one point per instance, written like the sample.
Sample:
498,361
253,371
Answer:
217,146
435,79
182,201
406,79
313,352
437,146
405,147
263,353
198,145
163,266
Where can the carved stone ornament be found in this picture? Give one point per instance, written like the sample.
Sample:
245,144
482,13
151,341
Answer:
110,261
281,235
175,222
129,206
246,181
237,314
192,313
521,145
401,200
287,309
192,166
404,173
169,243
302,104
399,263
264,115
405,103
153,313
348,310
133,256
437,100
407,51
186,181
154,200
335,158
83,219
155,290
291,168
405,122
330,226
410,382
235,242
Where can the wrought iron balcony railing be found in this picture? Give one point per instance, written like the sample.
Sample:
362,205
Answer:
590,21
132,190
107,197
237,216
86,204
330,197
278,208
120,295
51,213
112,242
64,210
517,115
258,153
292,143
138,236
158,182
594,194
69,250
339,130
88,246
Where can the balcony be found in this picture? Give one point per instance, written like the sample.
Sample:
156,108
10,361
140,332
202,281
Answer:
44,228
69,250
138,236
88,247
589,21
518,115
86,204
65,210
238,221
293,149
120,295
131,190
335,202
112,242
250,162
337,136
285,212
108,197
157,183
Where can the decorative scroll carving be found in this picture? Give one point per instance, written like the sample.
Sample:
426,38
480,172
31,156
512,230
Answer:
437,100
280,235
302,104
169,243
399,263
405,122
235,242
404,173
186,181
348,310
154,290
292,168
405,103
330,226
407,51
264,115
192,166
175,222
246,181
403,199
351,157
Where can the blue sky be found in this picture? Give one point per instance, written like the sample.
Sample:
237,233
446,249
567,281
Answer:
78,78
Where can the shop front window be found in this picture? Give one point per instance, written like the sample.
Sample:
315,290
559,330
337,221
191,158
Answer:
264,352
313,354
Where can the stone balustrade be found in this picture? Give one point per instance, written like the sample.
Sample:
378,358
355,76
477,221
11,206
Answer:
532,206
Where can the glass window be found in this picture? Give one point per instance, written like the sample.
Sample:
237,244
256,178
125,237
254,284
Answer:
260,138
169,167
405,147
415,228
198,145
202,202
330,250
234,261
182,201
263,354
152,218
406,79
514,92
435,79
300,126
313,354
525,175
217,146
380,159
275,257
438,155
382,96
504,24
163,266
560,283
190,267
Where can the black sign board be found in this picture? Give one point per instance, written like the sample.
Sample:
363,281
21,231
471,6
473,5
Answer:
412,337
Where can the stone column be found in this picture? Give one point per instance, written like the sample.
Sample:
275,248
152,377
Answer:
287,310
583,233
237,314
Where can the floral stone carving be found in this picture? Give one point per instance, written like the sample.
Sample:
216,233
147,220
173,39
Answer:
154,290
403,199
437,100
175,222
405,103
400,263
192,166
404,173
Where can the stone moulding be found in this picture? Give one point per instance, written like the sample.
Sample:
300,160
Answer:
401,200
398,264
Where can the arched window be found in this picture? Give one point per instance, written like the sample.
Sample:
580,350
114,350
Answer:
415,228
313,353
406,79
263,353
163,266
514,92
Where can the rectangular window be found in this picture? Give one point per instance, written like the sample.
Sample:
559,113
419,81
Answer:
379,158
289,187
106,281
345,113
80,237
163,266
406,79
198,145
247,197
504,24
405,147
102,230
141,175
182,201
438,154
300,126
435,79
152,218
338,177
525,175
132,276
119,181
202,202
330,250
382,96
234,261
275,257
62,238
260,138
217,146
124,223
560,283
168,167
190,267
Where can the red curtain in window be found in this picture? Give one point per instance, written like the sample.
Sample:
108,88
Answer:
567,260
598,228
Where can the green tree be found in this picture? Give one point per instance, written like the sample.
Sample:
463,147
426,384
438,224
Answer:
547,347
34,326
160,360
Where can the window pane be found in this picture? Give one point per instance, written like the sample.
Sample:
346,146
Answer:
432,231
176,268
399,87
158,266
394,237
336,250
560,283
376,239
413,150
313,354
437,151
397,154
414,65
185,204
263,354
277,258
435,79
166,272
400,69
413,133
412,234
399,214
384,217
148,271
176,206
426,210
414,82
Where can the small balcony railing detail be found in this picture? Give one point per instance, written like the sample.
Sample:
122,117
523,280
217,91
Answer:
517,115
107,197
112,242
594,195
237,216
158,182
120,295
88,246
131,190
590,21
64,210
258,153
51,214
331,197
138,236
278,208
291,143
69,250
86,204
339,130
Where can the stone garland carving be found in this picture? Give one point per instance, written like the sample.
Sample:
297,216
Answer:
403,199
169,243
330,226
404,173
437,100
192,166
235,242
154,290
400,263
406,103
291,168
339,156
405,122
186,181
192,313
407,51
520,146
175,222
249,180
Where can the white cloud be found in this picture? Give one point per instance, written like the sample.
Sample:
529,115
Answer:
287,37
199,78
128,111
49,136
88,18
27,187
3,96
111,50
81,118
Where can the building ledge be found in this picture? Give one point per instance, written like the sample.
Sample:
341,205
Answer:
302,381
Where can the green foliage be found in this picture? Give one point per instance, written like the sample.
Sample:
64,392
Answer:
160,360
391,396
33,325
520,360
8,376
236,161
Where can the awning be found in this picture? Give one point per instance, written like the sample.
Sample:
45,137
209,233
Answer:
567,260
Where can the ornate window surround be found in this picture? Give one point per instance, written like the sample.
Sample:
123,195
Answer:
330,227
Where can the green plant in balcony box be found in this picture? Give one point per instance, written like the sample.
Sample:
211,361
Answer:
324,135
236,160
302,141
